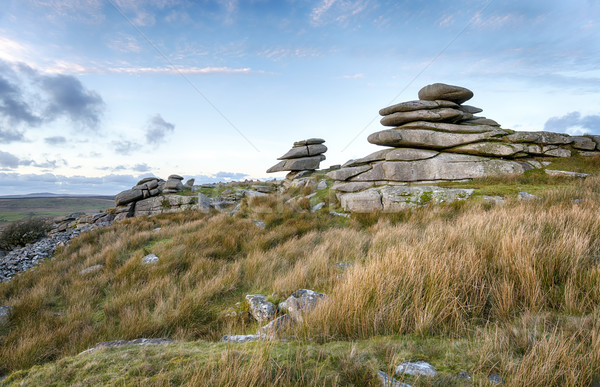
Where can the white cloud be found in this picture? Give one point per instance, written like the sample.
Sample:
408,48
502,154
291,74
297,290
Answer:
125,43
353,76
336,11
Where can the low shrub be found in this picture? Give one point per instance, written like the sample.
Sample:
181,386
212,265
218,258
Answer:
23,232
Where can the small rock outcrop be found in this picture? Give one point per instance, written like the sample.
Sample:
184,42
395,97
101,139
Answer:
301,302
421,368
260,308
305,155
122,343
437,138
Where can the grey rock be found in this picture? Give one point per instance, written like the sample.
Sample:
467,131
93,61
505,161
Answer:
346,173
470,109
397,198
435,115
388,381
150,258
416,368
273,329
451,128
253,194
362,202
310,141
190,183
147,180
588,154
300,302
417,105
258,223
463,375
322,184
596,139
375,156
304,151
333,213
91,269
526,196
428,138
175,177
540,138
5,313
317,207
204,203
552,172
479,121
173,184
121,343
300,164
489,148
239,338
374,174
495,379
128,196
260,308
492,199
351,186
558,152
583,143
446,92
410,154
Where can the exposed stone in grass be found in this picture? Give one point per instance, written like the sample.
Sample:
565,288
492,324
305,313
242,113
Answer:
495,379
388,381
150,258
273,329
239,338
302,301
552,172
121,343
260,308
5,312
421,368
91,269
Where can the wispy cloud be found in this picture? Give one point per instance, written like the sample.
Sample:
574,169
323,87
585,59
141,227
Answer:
354,76
282,53
125,43
336,11
157,128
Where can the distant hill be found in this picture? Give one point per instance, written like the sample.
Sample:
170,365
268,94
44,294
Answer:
53,195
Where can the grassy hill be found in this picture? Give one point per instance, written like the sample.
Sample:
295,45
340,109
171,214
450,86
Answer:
511,289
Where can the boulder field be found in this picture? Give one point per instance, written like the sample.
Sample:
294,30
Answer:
437,138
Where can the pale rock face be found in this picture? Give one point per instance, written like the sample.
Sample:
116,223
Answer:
302,301
362,202
583,143
416,368
543,138
427,138
299,164
452,128
260,308
346,173
446,92
375,156
304,151
489,149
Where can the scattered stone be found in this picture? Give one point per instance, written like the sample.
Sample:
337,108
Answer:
239,338
343,265
91,269
261,309
157,229
526,196
273,329
416,368
322,184
121,343
150,258
445,92
495,379
388,381
339,214
552,172
317,207
258,223
463,375
302,301
492,199
5,313
189,183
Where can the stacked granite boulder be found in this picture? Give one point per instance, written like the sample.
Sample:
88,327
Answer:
438,138
305,155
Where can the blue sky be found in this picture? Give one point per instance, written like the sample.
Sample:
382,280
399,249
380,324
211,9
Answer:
96,93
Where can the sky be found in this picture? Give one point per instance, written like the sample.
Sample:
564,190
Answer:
95,94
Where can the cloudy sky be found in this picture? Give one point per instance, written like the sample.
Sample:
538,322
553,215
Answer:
96,93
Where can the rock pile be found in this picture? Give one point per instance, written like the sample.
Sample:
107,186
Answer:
438,138
305,155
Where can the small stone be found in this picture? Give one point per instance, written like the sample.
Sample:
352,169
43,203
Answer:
150,258
526,196
302,301
175,177
260,308
552,172
258,223
5,313
317,207
239,338
495,379
463,375
388,381
322,184
416,368
91,269
274,328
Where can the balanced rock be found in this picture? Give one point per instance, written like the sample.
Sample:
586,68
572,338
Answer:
446,92
305,155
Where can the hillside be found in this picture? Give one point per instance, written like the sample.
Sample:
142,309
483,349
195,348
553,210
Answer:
509,290
17,208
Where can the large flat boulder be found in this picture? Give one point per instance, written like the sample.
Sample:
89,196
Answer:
446,92
346,173
375,156
299,164
452,128
410,154
362,202
431,139
544,138
128,196
497,149
435,115
304,151
417,105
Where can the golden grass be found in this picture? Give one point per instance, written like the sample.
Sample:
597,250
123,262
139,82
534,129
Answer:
521,281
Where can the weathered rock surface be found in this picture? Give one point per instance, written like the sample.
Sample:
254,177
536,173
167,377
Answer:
417,105
273,329
305,155
416,368
121,343
302,301
304,151
239,338
446,92
150,258
441,114
299,164
5,313
260,308
431,139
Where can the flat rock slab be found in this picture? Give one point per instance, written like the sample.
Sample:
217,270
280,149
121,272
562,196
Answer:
300,164
552,172
480,121
375,156
470,109
304,151
430,139
346,173
540,138
417,105
410,154
435,115
451,128
583,143
309,141
446,92
239,338
128,196
496,149
351,186
421,368
273,329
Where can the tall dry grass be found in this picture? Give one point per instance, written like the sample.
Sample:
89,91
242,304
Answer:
471,271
